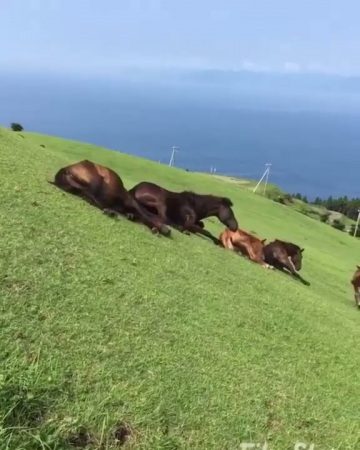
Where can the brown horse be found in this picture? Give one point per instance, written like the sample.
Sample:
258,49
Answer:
355,281
185,210
285,255
104,189
245,243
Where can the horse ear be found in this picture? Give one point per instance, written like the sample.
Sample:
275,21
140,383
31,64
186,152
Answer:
358,267
263,241
302,250
227,202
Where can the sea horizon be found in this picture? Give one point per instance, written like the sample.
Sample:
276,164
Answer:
311,151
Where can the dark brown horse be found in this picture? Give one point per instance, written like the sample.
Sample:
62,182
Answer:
355,281
104,189
285,255
185,210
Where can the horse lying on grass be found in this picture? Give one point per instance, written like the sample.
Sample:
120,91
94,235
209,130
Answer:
185,210
355,281
246,244
285,255
104,189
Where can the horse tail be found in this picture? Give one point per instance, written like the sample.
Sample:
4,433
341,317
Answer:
60,178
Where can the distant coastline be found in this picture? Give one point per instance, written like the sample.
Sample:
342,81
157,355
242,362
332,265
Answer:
311,152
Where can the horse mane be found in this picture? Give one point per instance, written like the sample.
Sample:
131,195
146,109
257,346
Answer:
291,249
194,199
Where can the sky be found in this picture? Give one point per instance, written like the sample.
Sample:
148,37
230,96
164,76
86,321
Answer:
89,36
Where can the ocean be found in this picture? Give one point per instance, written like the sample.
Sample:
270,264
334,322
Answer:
312,152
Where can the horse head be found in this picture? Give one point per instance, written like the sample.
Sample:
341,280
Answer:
226,215
295,255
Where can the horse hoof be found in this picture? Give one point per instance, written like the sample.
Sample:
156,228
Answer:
187,232
130,216
164,230
155,231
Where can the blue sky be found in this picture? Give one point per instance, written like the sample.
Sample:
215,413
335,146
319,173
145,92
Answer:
88,36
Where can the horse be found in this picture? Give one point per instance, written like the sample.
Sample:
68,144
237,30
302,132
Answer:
246,244
285,255
104,189
185,210
355,281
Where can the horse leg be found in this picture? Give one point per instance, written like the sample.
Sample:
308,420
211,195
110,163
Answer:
357,296
227,243
194,228
152,221
151,204
91,193
288,264
253,256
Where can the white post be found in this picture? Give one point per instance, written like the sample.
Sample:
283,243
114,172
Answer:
267,177
266,173
357,223
172,159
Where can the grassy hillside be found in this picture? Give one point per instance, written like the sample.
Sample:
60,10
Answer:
106,327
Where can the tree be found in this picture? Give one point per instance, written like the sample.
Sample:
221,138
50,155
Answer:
16,126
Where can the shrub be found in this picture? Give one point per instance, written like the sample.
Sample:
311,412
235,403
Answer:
324,217
288,198
338,225
16,126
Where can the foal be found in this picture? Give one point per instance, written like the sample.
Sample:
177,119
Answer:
285,255
355,281
245,243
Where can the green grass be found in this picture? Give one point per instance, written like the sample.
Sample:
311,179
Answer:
103,323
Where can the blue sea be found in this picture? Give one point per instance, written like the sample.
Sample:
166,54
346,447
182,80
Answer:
313,150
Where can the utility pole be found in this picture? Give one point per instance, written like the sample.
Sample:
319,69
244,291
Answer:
265,174
357,223
172,159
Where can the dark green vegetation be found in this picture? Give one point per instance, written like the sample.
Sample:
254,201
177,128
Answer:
343,205
105,327
339,213
16,126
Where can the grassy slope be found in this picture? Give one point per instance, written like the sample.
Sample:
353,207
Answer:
193,346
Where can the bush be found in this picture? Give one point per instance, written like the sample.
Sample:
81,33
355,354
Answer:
338,225
279,199
288,198
324,217
16,126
